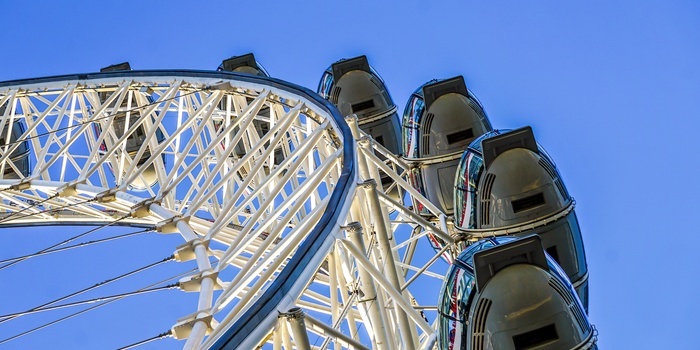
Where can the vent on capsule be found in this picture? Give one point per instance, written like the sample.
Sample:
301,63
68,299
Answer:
565,293
486,199
335,95
479,323
426,133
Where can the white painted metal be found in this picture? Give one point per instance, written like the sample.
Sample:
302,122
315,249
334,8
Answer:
368,282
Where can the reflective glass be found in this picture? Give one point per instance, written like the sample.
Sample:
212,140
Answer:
437,244
415,178
467,256
455,297
456,293
411,125
453,301
327,80
468,174
326,84
262,69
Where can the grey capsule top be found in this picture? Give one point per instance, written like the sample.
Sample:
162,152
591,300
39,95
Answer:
245,64
355,87
524,304
442,117
511,182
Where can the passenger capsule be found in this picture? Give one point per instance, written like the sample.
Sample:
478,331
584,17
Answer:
505,293
440,120
20,155
149,176
246,64
356,88
507,184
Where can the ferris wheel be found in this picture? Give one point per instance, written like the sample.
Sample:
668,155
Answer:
303,227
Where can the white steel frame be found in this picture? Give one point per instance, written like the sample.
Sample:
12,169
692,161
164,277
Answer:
363,285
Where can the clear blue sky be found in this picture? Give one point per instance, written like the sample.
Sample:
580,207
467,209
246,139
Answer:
611,91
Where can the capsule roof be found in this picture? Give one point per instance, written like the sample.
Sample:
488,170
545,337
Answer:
525,293
355,87
243,64
442,117
505,178
325,86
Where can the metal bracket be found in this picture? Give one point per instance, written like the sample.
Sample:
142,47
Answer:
183,328
141,209
69,189
185,252
23,185
194,283
170,225
107,196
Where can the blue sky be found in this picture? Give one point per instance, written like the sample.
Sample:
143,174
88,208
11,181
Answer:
611,91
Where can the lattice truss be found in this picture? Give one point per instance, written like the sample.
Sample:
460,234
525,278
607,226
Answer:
243,171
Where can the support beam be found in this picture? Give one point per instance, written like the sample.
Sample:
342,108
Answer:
333,333
295,318
374,311
387,256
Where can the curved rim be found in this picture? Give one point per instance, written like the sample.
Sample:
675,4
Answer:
275,294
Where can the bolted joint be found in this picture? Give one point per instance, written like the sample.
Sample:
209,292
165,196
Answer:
295,313
362,301
368,184
107,196
142,209
353,289
170,225
295,318
351,118
69,189
194,283
364,142
353,227
146,90
22,185
185,252
183,328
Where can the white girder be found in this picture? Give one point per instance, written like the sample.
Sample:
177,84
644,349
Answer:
243,213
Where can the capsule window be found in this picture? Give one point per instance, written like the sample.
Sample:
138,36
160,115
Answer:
527,202
361,106
534,338
460,136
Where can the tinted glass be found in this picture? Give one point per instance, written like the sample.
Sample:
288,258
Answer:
325,85
411,124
